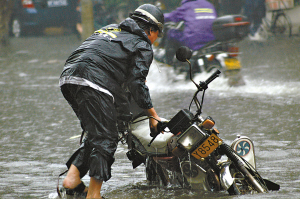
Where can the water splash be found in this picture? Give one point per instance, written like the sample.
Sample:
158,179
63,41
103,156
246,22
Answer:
168,81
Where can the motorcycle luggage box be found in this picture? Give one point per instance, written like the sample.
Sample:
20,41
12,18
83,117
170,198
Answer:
230,27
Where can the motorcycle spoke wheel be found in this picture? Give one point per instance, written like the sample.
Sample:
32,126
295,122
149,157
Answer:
239,186
245,185
252,178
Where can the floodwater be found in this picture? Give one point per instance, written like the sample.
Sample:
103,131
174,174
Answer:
36,123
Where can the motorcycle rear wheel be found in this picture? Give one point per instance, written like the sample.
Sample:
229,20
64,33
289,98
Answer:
213,64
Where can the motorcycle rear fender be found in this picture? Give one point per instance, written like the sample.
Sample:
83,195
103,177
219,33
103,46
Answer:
244,147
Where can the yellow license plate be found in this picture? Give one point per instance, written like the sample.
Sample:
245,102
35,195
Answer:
232,63
207,147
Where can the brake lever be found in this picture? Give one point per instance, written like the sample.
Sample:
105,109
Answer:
160,127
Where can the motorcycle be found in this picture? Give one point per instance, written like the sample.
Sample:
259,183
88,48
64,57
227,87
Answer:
221,53
191,153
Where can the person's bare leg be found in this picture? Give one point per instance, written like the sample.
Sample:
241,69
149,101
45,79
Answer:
94,188
79,28
72,179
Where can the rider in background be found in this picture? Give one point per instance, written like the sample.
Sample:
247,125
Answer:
198,16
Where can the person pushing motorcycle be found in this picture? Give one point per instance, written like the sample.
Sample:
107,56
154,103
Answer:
198,17
93,81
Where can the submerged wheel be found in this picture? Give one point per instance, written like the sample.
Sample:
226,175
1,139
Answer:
283,25
245,185
151,174
154,173
245,178
234,190
239,186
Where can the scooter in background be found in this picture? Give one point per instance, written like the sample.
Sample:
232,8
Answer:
221,53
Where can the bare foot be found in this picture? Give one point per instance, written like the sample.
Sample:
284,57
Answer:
72,179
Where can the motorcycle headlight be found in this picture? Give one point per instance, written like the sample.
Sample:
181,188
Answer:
190,137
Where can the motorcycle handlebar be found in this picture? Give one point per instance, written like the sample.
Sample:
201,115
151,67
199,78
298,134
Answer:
203,85
213,76
160,127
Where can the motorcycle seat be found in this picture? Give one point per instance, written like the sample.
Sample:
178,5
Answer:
142,131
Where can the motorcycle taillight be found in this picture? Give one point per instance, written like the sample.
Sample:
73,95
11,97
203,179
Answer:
27,4
238,19
233,51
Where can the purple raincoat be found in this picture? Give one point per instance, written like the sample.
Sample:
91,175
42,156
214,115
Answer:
198,16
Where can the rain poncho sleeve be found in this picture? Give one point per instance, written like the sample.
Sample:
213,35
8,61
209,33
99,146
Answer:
137,83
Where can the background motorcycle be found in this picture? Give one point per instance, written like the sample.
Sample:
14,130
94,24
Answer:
221,53
191,153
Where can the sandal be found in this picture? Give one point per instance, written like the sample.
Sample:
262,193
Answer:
77,191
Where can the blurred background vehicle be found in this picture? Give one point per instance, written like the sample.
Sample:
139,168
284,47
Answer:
33,16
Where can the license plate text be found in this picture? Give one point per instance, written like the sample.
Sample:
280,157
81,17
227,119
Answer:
207,147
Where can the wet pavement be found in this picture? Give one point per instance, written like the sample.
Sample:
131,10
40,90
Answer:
36,123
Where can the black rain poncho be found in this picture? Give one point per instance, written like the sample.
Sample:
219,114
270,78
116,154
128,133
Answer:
93,82
114,56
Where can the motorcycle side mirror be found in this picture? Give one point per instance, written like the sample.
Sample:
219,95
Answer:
183,53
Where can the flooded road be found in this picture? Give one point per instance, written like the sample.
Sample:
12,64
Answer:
36,123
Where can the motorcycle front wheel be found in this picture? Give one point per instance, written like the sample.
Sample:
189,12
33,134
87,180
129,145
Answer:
246,179
239,186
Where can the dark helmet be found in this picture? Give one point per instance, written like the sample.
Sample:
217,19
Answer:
150,14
